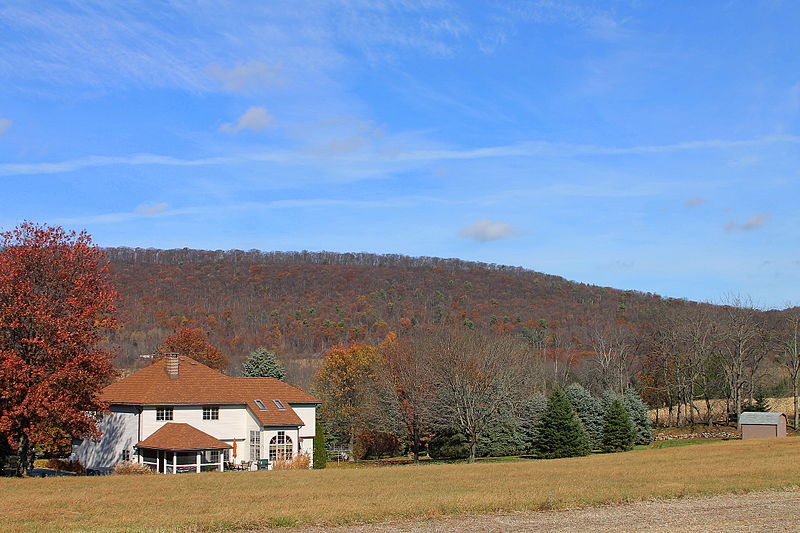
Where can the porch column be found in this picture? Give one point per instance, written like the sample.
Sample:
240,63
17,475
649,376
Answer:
222,460
174,463
198,460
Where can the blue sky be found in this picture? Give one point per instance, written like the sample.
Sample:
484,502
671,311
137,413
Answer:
642,145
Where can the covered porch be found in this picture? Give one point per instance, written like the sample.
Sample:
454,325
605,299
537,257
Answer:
180,448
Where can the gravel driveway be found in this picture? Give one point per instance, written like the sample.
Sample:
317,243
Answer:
759,511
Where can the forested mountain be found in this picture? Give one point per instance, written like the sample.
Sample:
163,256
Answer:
301,303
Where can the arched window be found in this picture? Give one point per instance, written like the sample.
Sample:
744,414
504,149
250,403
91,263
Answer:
280,447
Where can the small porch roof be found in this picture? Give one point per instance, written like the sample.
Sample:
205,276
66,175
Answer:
179,436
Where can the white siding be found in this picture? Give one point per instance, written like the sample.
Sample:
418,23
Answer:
308,414
231,423
120,431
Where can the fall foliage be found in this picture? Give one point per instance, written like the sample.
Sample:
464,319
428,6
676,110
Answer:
56,302
193,342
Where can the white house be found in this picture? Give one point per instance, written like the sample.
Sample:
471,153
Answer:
178,415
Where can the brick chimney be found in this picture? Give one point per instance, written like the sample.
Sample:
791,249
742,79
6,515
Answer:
172,365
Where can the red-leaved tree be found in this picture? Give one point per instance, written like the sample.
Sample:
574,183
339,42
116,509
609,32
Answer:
193,342
56,301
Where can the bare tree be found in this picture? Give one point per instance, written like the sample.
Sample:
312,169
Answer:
612,354
739,346
789,356
476,378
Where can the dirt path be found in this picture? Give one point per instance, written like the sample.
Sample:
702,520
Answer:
760,511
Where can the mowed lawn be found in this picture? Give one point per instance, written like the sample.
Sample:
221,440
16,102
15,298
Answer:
240,500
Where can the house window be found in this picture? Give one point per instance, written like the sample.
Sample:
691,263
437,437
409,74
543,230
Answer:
279,405
280,447
163,413
255,445
210,413
260,405
126,455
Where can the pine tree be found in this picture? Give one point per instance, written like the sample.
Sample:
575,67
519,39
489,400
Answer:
320,451
263,364
619,433
560,431
640,416
589,410
761,404
532,410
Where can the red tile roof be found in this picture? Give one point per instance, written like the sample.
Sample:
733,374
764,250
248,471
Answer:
178,436
197,384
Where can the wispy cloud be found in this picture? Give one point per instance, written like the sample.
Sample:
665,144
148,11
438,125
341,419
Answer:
487,230
345,152
248,77
256,118
164,210
5,123
151,209
753,222
694,202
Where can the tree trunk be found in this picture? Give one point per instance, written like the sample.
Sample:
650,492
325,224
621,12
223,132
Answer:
415,445
23,464
473,444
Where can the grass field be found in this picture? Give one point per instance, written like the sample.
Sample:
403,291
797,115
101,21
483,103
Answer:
240,500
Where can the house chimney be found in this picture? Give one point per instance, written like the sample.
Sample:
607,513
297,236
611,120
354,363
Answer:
172,365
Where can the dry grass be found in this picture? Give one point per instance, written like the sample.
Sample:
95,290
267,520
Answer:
231,500
127,468
300,461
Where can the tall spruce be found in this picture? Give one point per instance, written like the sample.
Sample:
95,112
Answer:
560,431
531,411
619,433
589,410
263,364
640,416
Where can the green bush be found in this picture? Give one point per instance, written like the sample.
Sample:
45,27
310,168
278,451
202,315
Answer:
320,452
448,444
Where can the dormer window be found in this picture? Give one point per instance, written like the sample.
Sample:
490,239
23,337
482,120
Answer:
260,405
163,413
279,405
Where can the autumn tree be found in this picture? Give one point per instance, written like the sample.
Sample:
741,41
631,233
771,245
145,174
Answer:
263,364
479,381
407,380
344,384
193,342
56,302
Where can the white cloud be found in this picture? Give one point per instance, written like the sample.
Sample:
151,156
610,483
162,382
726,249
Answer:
248,77
753,222
255,118
151,209
4,125
487,230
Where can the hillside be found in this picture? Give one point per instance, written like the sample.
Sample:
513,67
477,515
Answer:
300,303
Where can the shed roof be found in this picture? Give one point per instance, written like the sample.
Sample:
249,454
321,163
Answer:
180,436
761,419
198,384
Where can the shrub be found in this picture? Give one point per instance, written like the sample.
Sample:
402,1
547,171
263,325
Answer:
560,431
377,444
301,461
448,444
127,468
320,453
619,433
65,465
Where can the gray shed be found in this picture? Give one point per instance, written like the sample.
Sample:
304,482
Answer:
762,425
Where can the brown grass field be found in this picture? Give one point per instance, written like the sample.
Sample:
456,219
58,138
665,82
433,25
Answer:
249,500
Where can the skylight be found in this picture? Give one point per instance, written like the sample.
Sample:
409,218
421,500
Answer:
279,405
260,405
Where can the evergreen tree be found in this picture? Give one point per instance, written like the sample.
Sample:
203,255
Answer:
761,404
619,433
530,413
560,431
320,451
263,364
640,416
589,410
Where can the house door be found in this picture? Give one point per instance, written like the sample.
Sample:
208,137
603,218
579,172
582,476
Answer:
161,459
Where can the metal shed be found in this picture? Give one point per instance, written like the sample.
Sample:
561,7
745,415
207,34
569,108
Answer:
762,425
